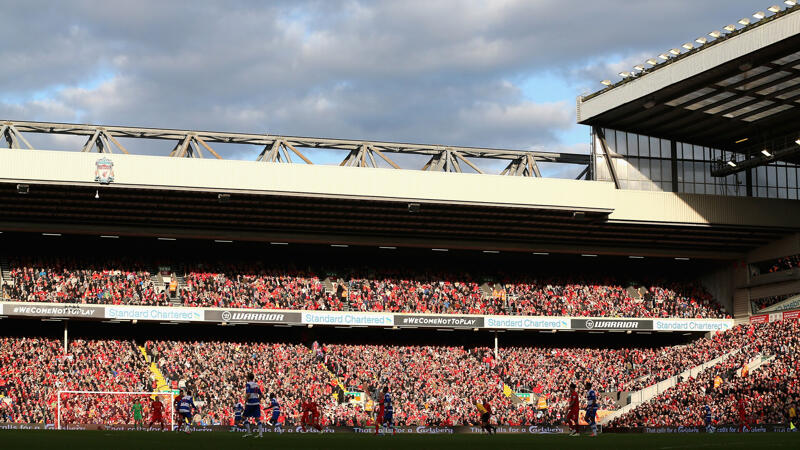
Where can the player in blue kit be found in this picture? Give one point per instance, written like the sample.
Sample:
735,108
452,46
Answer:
276,413
591,408
707,417
252,405
185,408
238,415
388,410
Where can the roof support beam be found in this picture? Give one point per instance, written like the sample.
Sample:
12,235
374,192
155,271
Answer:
724,169
607,156
292,144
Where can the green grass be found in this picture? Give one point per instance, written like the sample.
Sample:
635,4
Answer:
122,440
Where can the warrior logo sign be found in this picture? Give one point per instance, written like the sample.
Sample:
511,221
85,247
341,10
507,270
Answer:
104,171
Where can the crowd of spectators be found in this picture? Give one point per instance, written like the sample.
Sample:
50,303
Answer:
761,303
766,392
438,293
431,385
776,265
33,370
257,285
253,285
71,280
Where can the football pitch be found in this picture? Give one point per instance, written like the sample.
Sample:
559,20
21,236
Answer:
123,440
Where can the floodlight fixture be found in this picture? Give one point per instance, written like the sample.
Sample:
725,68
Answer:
766,153
731,163
701,40
790,2
797,142
606,82
639,67
744,21
688,46
624,74
774,9
675,51
715,34
652,61
664,56
730,27
760,15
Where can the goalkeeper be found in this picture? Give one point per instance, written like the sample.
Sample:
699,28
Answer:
138,416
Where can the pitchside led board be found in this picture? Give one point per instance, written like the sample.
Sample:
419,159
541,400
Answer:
354,319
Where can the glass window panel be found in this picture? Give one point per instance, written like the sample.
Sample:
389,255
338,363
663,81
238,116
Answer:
772,176
644,146
762,176
699,172
655,170
666,149
622,168
791,177
655,151
644,168
633,144
781,176
688,172
666,173
698,152
622,144
793,194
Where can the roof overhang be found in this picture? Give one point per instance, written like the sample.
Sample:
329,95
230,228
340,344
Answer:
731,94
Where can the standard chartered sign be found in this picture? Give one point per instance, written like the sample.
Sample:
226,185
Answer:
692,324
526,323
154,313
345,318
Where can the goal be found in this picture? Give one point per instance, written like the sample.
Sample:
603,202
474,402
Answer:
109,409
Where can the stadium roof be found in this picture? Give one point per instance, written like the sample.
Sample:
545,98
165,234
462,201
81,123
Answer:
739,92
58,208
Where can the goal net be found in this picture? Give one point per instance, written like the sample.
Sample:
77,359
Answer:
109,409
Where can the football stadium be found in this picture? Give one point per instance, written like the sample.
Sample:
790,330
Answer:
186,300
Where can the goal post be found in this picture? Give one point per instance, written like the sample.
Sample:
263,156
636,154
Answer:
108,408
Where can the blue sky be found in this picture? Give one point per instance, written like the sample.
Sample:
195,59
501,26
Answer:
501,73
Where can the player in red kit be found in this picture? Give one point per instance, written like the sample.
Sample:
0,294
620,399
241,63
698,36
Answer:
156,413
743,420
572,412
310,415
379,418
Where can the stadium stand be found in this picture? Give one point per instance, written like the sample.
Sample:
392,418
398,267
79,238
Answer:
432,385
766,391
256,285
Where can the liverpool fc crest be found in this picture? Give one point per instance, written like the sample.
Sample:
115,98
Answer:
104,171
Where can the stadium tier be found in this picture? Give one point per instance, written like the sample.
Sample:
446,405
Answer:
431,385
256,285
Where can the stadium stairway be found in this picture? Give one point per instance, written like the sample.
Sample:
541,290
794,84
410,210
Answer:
4,274
161,382
644,395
